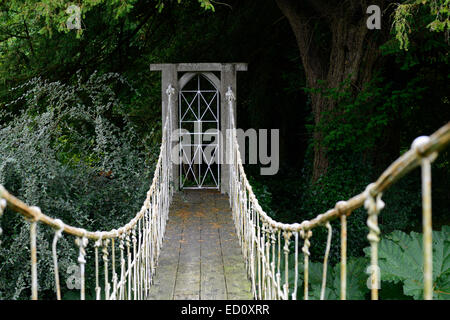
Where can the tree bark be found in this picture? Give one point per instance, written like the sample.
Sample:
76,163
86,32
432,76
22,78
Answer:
351,54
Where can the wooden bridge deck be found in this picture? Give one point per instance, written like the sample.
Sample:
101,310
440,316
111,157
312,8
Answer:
201,258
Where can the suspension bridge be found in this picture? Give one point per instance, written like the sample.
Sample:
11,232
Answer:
219,244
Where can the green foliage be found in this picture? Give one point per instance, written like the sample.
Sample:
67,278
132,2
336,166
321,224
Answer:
435,16
342,181
363,135
73,152
206,4
263,195
401,264
359,122
356,280
53,14
401,260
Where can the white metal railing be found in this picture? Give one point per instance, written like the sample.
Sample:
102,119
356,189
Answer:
129,254
266,243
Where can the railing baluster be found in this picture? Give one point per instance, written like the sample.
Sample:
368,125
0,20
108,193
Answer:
3,204
340,205
134,241
33,249
122,265
105,262
253,253
294,293
128,243
57,236
258,248
287,236
272,264
306,235
425,162
373,206
82,243
279,263
325,260
97,244
113,258
343,257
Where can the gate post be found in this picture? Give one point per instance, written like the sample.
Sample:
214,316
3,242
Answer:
169,76
227,79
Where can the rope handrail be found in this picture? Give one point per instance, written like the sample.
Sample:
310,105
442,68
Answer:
139,241
266,243
34,214
404,164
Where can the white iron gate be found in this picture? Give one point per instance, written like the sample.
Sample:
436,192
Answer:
199,104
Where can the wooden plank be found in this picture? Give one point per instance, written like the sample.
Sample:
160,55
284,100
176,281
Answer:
201,257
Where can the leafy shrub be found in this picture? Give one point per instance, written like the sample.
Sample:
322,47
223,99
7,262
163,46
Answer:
263,195
401,267
70,150
401,261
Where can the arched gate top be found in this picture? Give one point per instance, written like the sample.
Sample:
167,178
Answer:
211,77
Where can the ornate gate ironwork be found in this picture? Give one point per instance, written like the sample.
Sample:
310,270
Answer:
199,110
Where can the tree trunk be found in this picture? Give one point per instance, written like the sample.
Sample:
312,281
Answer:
351,54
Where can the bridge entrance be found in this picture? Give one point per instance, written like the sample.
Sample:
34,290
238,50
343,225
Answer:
194,97
199,139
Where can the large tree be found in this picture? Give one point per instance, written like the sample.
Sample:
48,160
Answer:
349,52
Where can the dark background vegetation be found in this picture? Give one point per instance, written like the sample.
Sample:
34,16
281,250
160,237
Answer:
83,99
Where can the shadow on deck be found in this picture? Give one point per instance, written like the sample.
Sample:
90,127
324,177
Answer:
201,258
